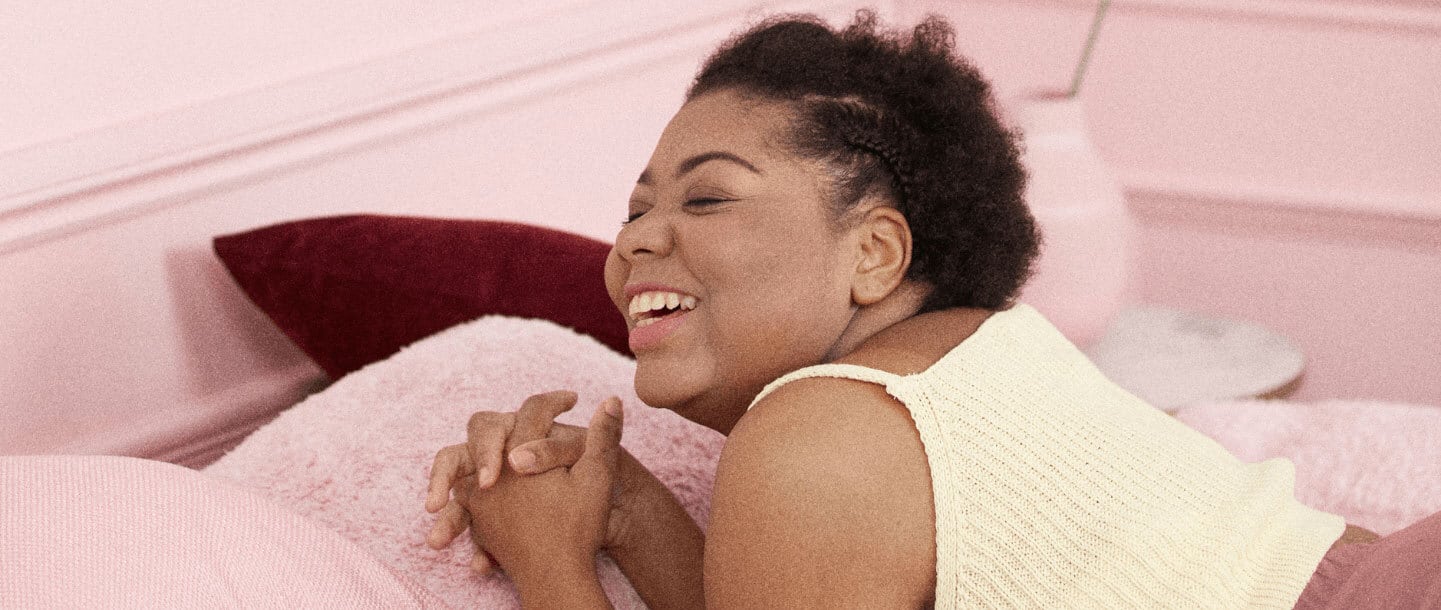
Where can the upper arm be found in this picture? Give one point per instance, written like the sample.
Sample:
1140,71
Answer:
822,499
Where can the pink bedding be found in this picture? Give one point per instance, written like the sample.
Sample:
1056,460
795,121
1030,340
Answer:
354,459
103,531
1378,464
356,456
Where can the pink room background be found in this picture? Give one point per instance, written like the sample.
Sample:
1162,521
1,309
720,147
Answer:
1279,156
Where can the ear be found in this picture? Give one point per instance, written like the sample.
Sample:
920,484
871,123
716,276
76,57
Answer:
884,240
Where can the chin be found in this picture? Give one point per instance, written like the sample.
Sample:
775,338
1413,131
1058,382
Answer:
655,391
716,410
671,390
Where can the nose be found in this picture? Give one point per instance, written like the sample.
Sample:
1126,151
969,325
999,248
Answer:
649,236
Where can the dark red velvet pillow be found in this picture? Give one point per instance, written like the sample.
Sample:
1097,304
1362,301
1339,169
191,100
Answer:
351,290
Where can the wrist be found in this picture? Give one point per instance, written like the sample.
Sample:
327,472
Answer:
646,510
566,580
658,546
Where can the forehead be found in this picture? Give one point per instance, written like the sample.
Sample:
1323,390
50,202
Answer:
725,121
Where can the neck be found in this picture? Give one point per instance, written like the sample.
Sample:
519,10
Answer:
721,412
869,320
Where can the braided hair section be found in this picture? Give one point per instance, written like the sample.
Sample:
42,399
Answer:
866,129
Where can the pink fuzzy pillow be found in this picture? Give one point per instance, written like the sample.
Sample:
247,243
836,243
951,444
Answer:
357,456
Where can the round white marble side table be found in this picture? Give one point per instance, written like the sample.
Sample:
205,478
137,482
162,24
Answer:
1172,358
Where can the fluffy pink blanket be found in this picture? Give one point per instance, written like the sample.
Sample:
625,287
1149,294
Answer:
356,456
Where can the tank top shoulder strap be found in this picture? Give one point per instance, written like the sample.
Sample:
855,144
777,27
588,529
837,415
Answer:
843,371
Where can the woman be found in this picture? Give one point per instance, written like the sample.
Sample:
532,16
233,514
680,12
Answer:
821,261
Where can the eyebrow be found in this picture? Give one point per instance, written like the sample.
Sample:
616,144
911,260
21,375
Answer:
699,160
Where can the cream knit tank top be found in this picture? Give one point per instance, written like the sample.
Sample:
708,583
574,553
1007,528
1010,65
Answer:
1055,488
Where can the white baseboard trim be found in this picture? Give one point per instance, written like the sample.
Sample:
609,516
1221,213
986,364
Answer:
60,187
213,425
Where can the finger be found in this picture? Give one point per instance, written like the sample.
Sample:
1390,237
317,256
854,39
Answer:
562,449
451,463
482,563
534,418
602,441
451,523
485,441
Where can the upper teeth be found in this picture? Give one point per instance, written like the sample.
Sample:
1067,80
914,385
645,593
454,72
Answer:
650,301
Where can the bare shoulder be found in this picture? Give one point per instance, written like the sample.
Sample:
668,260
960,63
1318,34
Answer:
822,498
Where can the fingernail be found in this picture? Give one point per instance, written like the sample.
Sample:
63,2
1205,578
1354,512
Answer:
522,460
612,408
480,475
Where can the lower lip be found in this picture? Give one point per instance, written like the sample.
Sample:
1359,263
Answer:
649,336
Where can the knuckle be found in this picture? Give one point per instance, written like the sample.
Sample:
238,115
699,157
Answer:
552,399
445,459
544,455
535,401
487,421
483,418
568,434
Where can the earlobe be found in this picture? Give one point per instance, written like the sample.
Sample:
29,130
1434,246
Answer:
885,254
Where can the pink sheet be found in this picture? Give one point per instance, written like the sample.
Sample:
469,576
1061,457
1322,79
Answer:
1376,463
103,531
356,456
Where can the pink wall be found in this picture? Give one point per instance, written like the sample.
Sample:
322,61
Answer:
98,63
1280,157
119,332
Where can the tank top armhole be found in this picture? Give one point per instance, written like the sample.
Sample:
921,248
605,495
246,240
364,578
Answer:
841,371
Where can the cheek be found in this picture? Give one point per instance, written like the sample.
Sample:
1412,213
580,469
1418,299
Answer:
616,270
764,287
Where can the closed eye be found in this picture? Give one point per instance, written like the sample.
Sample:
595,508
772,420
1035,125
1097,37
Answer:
698,202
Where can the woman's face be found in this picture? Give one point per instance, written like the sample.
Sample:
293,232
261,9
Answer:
737,228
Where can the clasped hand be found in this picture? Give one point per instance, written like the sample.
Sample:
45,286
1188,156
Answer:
551,501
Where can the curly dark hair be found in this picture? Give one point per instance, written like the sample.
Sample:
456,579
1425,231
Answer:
905,117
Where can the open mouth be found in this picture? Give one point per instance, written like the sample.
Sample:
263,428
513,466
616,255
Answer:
650,307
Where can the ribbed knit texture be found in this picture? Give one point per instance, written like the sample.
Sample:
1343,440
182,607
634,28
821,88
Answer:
99,531
1056,488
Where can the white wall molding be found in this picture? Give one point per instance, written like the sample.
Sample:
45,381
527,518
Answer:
1402,221
1416,17
56,188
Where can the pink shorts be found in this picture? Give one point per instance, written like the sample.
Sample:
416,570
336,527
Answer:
1402,570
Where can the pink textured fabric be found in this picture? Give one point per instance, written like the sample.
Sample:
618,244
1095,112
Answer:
116,532
1376,464
357,455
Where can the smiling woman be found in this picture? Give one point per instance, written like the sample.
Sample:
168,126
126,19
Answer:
821,261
